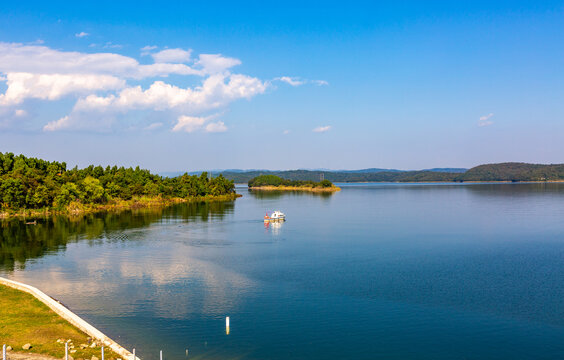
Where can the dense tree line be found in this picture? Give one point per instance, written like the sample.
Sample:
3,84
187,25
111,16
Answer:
514,172
489,172
273,180
30,183
346,176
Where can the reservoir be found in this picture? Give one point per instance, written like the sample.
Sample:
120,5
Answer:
375,271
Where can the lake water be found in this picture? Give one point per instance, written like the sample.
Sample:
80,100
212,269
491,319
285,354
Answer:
376,271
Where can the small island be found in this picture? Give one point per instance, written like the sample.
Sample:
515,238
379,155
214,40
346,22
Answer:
273,182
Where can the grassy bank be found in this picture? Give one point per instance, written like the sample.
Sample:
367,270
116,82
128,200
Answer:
76,208
26,320
297,188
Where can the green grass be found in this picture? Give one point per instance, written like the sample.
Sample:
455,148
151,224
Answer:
24,319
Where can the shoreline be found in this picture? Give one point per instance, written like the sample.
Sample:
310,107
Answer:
296,188
69,317
456,182
119,205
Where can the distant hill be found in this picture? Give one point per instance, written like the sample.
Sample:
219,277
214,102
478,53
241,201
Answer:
320,170
449,170
487,172
371,170
346,176
514,172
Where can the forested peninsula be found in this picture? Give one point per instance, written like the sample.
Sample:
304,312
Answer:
30,186
506,172
273,182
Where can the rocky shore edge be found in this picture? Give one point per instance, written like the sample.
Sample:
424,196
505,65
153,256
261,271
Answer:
115,206
297,188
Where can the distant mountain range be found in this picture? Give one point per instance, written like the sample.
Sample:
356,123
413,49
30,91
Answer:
264,171
489,172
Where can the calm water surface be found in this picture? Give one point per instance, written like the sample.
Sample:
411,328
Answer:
376,271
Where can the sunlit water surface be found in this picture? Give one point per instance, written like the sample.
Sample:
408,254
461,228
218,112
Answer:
375,271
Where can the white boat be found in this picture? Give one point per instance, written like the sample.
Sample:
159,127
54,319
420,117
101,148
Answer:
275,216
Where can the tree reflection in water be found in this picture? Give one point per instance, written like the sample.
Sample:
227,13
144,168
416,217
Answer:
20,242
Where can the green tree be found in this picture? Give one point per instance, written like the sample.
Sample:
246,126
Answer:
41,197
12,193
92,191
69,192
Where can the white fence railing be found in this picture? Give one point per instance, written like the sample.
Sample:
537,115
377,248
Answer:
5,354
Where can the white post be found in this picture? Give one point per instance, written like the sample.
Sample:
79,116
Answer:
133,354
102,353
4,352
161,355
227,321
67,350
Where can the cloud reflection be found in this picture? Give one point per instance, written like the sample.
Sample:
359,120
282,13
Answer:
123,279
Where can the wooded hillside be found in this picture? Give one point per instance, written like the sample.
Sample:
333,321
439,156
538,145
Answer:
30,183
489,172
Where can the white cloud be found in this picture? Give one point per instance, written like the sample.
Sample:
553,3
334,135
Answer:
216,127
81,34
57,125
216,91
43,60
163,70
320,82
294,81
199,123
285,132
84,122
146,50
189,123
486,117
485,120
321,129
54,86
216,63
172,56
110,45
153,126
290,80
100,83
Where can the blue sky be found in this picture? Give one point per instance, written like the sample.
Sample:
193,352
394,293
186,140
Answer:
174,86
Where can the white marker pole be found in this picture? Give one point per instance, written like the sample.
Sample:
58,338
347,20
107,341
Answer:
102,353
4,352
227,321
161,355
133,354
66,351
